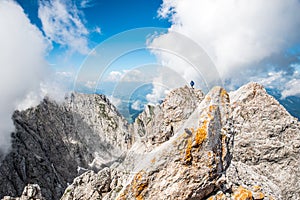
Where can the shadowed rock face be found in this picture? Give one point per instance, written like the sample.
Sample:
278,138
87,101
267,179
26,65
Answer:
53,142
241,145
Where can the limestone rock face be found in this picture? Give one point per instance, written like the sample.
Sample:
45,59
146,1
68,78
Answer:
54,143
89,186
266,145
191,164
157,124
241,145
237,146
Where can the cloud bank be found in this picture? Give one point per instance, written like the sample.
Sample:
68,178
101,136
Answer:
22,64
243,38
62,23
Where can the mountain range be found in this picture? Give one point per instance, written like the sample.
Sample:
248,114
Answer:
238,145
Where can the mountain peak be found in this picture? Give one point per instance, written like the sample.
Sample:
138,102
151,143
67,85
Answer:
192,146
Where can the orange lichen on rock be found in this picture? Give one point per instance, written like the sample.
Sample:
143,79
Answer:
139,185
209,154
225,95
256,188
123,195
135,188
208,98
242,194
153,160
201,133
188,152
219,196
211,108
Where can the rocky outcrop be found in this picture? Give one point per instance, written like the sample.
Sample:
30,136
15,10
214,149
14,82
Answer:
55,143
267,144
236,146
191,165
241,145
89,186
157,124
31,192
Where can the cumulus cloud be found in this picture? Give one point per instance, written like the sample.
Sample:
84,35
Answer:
115,101
133,75
62,23
22,63
158,93
237,35
114,76
287,83
291,88
90,84
137,105
166,79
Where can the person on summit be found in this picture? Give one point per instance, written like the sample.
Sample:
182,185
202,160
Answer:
192,83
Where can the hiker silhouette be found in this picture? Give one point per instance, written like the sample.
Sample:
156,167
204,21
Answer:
192,83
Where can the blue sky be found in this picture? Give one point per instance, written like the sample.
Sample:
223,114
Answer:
51,47
109,16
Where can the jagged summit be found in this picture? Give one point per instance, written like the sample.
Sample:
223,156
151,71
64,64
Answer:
241,145
156,124
53,141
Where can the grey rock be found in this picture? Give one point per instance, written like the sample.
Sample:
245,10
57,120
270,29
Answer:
52,141
31,192
157,124
89,186
187,167
266,145
241,145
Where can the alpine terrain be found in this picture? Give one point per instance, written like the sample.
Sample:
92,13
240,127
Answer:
237,145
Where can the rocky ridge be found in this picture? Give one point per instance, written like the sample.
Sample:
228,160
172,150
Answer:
158,123
54,143
241,145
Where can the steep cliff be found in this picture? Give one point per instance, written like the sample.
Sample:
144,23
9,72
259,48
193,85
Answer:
54,143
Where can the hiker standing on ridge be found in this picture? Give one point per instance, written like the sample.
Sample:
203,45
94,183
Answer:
192,83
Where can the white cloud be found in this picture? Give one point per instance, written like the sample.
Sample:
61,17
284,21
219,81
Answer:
86,3
90,84
292,88
22,63
237,35
287,84
166,80
114,76
97,30
133,75
115,101
137,105
158,93
62,23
